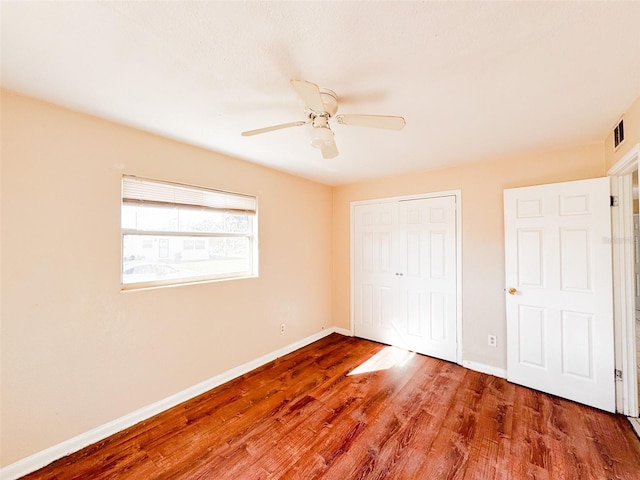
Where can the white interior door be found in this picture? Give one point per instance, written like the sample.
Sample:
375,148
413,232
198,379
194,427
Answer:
405,274
375,287
559,290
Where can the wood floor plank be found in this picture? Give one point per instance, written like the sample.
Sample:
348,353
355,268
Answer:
345,408
489,451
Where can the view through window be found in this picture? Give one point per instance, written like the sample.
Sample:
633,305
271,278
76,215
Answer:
173,233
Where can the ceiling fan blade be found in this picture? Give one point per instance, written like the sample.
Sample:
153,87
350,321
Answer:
271,129
330,151
310,94
375,121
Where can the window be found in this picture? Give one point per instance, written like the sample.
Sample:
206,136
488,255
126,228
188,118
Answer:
173,233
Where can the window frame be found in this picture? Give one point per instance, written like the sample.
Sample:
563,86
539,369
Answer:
193,236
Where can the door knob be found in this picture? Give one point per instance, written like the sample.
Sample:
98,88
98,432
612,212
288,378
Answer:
512,291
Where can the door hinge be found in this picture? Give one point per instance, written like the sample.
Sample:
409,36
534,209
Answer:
613,201
618,375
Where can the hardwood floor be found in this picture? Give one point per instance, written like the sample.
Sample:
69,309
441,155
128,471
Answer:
304,416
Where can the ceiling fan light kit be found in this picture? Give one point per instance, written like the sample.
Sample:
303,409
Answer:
321,105
321,137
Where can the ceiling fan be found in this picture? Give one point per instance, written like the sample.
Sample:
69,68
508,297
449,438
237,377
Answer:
321,105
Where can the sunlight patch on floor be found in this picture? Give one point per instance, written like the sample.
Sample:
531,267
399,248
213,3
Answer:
385,359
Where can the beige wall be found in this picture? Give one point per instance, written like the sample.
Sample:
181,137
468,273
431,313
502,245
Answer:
482,186
632,135
76,351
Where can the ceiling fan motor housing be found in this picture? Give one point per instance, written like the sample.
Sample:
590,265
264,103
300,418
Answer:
329,101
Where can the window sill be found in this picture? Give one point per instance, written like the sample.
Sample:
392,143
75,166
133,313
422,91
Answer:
136,287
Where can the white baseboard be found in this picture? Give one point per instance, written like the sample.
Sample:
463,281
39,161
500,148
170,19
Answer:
45,457
635,424
482,368
343,331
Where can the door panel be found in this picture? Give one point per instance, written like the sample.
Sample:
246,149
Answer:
577,353
427,245
531,326
530,257
560,318
438,315
375,297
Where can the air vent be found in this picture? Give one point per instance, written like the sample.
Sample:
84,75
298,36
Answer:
618,135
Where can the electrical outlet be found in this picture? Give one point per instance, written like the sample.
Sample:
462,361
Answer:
492,340
282,328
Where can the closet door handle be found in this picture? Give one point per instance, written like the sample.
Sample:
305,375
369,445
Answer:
399,274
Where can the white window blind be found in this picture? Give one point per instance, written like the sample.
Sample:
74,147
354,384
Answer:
142,190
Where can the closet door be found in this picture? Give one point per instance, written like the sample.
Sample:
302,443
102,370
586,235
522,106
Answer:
427,286
405,275
375,270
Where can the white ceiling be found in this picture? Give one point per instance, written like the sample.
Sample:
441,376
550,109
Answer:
473,80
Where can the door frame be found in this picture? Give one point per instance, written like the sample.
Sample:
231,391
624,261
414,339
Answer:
420,196
623,282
